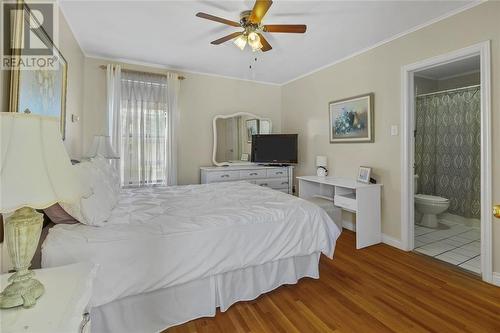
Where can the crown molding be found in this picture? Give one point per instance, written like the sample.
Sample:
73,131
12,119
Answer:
173,69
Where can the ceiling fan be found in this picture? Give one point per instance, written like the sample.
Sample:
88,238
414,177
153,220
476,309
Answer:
251,22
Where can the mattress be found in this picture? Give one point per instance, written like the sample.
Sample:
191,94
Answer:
162,237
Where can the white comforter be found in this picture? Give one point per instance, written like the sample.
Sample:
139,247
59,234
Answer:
161,237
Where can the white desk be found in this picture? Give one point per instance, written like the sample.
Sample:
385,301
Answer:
347,194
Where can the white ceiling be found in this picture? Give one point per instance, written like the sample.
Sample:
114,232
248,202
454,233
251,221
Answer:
452,69
167,33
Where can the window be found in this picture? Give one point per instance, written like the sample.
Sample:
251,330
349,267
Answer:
144,124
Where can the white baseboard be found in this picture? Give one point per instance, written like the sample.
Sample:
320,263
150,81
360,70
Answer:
392,241
496,279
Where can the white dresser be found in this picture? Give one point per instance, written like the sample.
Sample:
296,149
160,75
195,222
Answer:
278,178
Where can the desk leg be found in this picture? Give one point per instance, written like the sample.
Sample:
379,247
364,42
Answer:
368,217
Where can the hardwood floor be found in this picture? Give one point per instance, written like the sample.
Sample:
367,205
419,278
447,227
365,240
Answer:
377,289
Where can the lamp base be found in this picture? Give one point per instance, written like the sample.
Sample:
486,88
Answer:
24,290
22,231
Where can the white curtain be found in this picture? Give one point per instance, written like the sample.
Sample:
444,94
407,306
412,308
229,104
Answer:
113,89
148,123
173,87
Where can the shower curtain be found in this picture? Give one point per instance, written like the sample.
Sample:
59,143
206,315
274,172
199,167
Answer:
448,148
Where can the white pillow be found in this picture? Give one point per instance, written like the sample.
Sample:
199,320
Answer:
93,209
112,178
83,175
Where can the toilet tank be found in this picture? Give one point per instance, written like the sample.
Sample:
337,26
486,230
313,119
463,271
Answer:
415,184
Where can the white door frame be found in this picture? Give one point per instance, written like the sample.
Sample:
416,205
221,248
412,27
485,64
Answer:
407,148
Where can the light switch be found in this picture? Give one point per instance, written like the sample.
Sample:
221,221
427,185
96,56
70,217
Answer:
394,130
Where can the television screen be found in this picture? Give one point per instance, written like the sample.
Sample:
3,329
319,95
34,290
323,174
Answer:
274,148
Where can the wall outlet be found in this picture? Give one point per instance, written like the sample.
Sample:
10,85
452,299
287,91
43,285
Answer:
394,130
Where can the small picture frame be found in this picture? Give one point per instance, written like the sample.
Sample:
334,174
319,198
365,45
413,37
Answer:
364,174
244,157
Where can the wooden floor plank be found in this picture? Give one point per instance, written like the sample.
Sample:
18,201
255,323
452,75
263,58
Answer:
377,289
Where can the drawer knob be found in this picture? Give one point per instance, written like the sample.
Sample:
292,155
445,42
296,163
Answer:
263,184
253,174
279,172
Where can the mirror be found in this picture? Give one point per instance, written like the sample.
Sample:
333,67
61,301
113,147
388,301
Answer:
233,137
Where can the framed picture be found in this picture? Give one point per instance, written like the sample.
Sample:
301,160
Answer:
252,128
364,174
351,119
41,91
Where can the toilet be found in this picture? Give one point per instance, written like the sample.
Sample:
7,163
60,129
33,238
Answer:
428,207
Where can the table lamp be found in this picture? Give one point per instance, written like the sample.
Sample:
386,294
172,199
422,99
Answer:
321,164
101,146
35,173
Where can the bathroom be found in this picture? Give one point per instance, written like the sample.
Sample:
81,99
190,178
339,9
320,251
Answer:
447,156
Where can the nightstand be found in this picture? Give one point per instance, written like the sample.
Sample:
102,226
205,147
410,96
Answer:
63,308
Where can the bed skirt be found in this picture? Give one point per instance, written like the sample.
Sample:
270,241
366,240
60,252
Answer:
158,310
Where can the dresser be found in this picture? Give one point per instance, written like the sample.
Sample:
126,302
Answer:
277,178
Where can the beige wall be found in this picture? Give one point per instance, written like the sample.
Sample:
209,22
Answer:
74,97
201,98
305,105
425,85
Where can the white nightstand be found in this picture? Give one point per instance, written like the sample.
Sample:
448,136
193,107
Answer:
63,308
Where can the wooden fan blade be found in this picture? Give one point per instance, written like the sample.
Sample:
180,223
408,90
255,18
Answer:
290,28
265,44
226,38
218,19
259,10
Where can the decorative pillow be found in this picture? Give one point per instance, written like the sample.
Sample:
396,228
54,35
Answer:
58,215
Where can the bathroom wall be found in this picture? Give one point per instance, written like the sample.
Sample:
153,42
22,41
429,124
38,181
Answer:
426,85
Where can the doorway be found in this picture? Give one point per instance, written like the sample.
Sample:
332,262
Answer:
446,164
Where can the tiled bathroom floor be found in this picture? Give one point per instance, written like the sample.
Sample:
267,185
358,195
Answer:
454,243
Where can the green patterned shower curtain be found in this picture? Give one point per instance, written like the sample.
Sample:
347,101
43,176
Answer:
448,148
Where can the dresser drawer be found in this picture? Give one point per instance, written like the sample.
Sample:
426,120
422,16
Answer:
278,172
251,174
276,184
222,176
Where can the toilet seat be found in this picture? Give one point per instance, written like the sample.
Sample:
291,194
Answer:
430,198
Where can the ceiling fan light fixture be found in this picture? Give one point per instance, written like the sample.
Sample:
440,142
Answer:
254,41
241,42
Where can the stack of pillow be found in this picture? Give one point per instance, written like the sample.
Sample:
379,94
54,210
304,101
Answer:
100,187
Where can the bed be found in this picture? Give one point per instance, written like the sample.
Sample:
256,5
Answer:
168,255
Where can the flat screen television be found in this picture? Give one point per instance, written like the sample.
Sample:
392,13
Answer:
274,148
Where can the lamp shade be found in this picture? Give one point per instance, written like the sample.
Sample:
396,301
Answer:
321,161
35,170
101,146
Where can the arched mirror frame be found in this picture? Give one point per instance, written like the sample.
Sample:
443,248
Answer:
214,124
